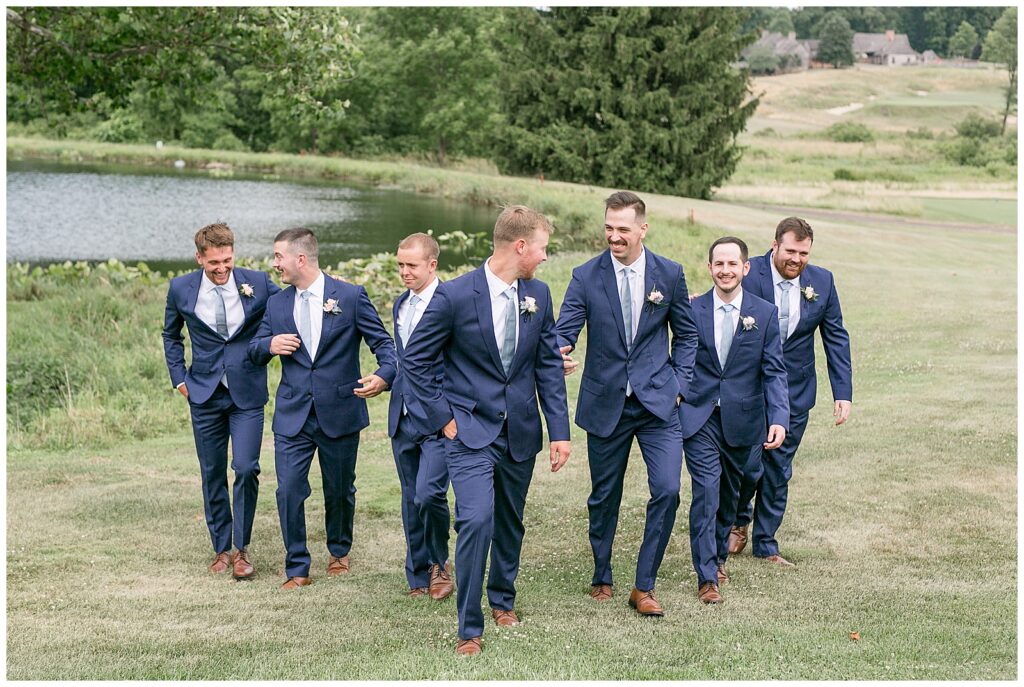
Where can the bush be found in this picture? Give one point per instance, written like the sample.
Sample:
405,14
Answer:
849,132
976,127
124,126
921,133
843,174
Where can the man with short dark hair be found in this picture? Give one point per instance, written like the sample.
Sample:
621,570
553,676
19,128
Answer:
807,301
630,299
495,330
737,399
315,326
418,450
222,305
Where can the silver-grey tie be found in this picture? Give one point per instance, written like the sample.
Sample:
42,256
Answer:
727,333
784,309
626,300
305,327
220,312
508,344
405,329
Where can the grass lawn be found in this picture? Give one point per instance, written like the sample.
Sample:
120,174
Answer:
902,523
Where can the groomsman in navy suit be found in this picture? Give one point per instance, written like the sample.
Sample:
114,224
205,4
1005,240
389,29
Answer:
495,329
630,299
738,398
419,452
222,306
316,326
807,301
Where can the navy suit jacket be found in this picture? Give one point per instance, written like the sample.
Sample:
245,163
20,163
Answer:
656,377
824,315
212,355
400,392
328,382
752,384
476,391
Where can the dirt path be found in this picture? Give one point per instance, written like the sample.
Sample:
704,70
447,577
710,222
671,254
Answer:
869,218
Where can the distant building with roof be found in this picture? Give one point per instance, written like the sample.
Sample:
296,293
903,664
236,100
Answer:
889,48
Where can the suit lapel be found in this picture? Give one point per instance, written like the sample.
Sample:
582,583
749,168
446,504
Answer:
288,305
745,311
394,317
612,290
706,317
651,275
246,300
331,290
193,300
767,281
484,316
526,322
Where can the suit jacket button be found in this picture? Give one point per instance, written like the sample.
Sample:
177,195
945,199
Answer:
501,415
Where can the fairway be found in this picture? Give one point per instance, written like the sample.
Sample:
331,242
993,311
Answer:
902,523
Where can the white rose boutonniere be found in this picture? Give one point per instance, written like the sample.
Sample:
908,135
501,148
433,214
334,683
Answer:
748,323
809,293
331,306
655,298
246,290
528,306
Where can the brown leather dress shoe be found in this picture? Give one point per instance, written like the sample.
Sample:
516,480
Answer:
779,560
504,618
296,582
737,539
723,575
645,603
221,563
441,585
241,566
468,647
337,566
708,593
601,592
417,592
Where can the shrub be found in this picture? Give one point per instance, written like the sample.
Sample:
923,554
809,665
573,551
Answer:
849,132
843,174
975,126
921,132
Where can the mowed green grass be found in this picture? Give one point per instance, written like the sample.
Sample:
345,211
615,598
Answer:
902,524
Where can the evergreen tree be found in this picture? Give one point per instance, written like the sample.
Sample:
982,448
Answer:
836,40
636,97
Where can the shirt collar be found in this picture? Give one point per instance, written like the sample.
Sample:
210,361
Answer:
316,289
776,277
737,302
427,293
206,285
639,265
495,284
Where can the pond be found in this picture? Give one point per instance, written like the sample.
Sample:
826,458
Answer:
58,212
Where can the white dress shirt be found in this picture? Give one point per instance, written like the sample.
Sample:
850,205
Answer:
403,310
794,297
316,313
737,303
636,284
206,304
497,286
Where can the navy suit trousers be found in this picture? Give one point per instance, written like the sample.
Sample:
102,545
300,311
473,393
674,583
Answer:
767,474
490,495
661,444
423,475
213,423
716,469
293,457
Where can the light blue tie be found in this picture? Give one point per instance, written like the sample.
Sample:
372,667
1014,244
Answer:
784,309
305,328
508,344
405,328
626,300
727,333
220,312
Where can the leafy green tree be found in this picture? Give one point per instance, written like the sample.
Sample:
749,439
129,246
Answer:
1001,47
637,97
963,41
781,22
762,60
836,40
